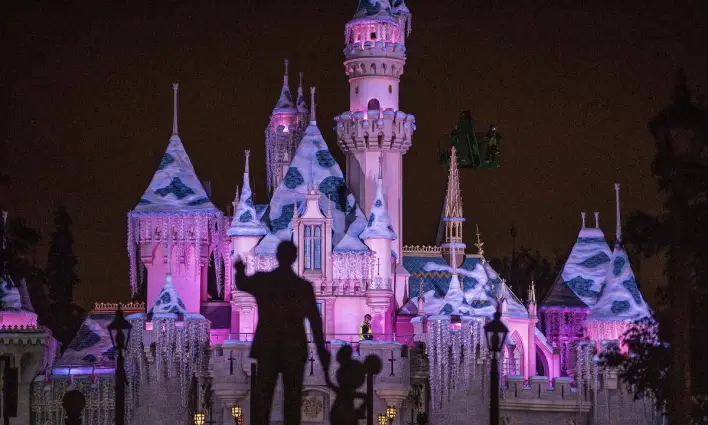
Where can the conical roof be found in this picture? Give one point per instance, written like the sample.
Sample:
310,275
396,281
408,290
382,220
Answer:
301,103
373,9
379,224
313,164
245,221
175,186
10,297
168,301
285,101
620,299
585,271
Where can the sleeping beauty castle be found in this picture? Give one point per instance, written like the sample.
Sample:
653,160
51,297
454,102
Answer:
188,349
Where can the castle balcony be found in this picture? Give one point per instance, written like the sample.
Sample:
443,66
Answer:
358,131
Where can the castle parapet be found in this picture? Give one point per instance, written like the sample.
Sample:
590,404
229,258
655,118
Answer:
359,131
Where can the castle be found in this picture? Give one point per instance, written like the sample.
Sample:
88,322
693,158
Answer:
188,351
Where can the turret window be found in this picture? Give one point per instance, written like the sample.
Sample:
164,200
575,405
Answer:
313,248
390,89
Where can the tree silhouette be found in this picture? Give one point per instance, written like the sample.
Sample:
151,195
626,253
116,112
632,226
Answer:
528,265
60,279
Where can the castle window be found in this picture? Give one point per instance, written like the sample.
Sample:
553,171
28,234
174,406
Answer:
373,105
390,89
356,89
313,248
373,36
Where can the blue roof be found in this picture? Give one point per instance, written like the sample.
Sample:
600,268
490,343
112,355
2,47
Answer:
91,346
480,285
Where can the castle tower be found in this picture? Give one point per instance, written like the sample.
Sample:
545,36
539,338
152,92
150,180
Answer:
175,207
374,60
379,237
245,230
453,248
284,131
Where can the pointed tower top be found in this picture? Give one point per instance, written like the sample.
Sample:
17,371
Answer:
421,299
301,104
313,118
381,161
582,214
479,244
235,201
453,199
175,130
618,224
379,225
597,220
245,221
532,292
285,101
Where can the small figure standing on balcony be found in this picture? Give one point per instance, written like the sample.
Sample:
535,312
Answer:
365,333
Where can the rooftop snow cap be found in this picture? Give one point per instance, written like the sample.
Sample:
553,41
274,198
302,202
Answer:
313,164
175,186
168,301
620,299
373,9
10,298
301,104
285,101
379,224
585,271
245,221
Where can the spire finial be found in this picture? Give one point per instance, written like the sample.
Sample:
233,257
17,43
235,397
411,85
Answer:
618,230
532,292
597,220
4,230
313,119
285,77
175,88
248,154
329,206
479,243
582,214
421,299
453,199
299,89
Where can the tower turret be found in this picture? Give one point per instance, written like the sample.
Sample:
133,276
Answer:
245,230
374,60
284,131
175,207
453,248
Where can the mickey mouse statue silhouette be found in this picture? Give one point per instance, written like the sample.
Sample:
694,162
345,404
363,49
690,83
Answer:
350,376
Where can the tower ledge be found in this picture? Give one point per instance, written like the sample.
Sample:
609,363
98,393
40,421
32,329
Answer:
391,130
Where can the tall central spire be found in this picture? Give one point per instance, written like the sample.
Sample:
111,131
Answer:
313,118
453,247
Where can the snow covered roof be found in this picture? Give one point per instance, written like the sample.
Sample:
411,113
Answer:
620,299
471,292
246,221
92,344
379,224
313,164
285,104
373,9
10,298
175,186
584,273
168,300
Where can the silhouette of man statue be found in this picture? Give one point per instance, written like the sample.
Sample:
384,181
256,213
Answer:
284,301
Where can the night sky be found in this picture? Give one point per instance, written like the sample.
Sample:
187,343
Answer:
86,96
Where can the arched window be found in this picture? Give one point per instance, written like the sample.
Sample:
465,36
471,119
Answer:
356,89
313,248
373,105
390,89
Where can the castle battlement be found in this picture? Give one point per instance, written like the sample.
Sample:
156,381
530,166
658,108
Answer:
357,131
374,59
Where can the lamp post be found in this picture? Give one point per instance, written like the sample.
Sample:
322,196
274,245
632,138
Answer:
236,413
680,136
119,329
391,414
496,336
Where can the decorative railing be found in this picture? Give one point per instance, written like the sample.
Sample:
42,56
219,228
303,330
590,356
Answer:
132,306
422,249
21,328
380,284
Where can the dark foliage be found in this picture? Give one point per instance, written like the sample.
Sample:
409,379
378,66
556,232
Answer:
530,265
60,280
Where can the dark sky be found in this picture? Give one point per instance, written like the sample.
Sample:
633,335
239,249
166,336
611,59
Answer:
86,106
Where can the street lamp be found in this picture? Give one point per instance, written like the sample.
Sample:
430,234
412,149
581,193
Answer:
391,413
119,330
199,418
496,336
383,419
236,413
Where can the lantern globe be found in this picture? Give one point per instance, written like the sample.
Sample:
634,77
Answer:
383,420
496,333
119,330
391,412
199,418
236,411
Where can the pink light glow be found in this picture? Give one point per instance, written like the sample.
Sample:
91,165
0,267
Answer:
18,319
